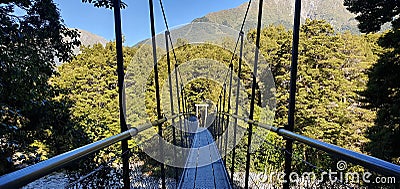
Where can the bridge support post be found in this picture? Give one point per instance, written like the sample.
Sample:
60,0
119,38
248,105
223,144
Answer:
121,91
223,122
216,122
219,121
179,101
184,116
253,93
237,106
228,112
171,99
157,86
292,97
188,126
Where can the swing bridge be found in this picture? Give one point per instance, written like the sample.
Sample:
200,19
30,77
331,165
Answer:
205,141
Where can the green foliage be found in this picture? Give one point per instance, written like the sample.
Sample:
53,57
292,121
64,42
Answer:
382,95
383,89
29,43
331,73
373,14
200,90
28,46
90,82
104,3
187,53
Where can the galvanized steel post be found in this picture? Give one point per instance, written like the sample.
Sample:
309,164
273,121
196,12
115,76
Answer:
121,90
253,93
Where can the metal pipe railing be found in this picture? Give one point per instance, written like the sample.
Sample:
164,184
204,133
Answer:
372,163
24,176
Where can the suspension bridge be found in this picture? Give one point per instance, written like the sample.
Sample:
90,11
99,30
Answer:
203,141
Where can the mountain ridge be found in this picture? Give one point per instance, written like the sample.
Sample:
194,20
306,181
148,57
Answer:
88,39
280,12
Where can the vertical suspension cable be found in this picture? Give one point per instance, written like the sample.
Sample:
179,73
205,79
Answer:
171,99
167,27
187,121
219,121
176,67
159,116
237,41
184,113
223,118
241,30
215,121
292,97
169,36
121,90
218,115
179,103
224,127
237,107
253,93
228,111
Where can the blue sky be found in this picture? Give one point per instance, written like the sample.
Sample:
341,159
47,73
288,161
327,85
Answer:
135,18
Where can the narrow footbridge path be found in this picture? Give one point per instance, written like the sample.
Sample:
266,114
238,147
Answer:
205,169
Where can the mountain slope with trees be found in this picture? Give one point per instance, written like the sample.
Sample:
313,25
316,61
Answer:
280,12
332,72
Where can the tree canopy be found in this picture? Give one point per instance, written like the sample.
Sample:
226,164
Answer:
331,72
383,88
373,14
104,3
30,42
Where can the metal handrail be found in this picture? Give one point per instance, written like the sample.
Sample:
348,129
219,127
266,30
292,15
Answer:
372,163
24,176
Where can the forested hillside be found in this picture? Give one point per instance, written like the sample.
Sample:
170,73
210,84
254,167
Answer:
332,71
347,85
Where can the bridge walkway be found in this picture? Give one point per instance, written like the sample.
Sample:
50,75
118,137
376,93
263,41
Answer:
204,166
